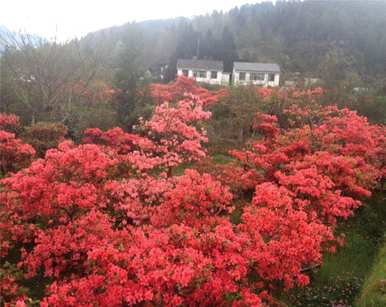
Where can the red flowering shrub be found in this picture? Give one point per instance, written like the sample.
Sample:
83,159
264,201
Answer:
9,123
171,137
118,140
288,239
174,131
291,94
185,87
14,154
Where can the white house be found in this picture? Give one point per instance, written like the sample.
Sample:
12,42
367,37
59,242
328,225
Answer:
265,74
211,72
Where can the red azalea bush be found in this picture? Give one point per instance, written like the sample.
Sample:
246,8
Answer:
172,136
117,139
107,222
175,131
185,87
14,154
9,123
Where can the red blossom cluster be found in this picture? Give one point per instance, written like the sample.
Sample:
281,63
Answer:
290,94
118,140
175,131
107,222
9,122
14,153
185,87
171,137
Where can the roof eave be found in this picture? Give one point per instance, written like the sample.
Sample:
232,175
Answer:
251,70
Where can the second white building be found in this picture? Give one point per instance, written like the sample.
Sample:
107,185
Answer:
264,74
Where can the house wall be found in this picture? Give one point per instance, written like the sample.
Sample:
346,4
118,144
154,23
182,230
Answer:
207,79
225,78
248,80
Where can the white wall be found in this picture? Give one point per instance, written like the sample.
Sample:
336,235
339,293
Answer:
247,81
225,78
207,79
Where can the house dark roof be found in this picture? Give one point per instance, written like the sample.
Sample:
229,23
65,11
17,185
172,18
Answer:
200,64
263,67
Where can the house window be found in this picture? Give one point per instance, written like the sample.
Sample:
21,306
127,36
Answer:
257,76
271,77
185,72
199,74
213,74
242,76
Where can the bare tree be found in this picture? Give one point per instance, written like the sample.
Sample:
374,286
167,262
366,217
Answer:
44,76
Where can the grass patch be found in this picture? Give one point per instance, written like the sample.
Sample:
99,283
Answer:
221,158
373,293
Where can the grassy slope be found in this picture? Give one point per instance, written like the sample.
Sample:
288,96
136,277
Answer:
373,293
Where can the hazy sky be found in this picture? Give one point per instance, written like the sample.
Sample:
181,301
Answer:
74,18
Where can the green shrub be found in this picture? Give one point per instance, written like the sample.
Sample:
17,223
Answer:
43,136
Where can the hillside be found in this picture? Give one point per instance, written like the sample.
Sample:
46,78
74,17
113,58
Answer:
338,39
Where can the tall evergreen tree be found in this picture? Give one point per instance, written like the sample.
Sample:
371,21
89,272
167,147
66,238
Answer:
128,70
227,49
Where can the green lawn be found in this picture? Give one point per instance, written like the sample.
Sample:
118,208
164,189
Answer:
373,293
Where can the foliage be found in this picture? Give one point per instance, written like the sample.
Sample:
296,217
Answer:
340,292
43,136
233,116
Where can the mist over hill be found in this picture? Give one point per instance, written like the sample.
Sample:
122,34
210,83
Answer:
308,37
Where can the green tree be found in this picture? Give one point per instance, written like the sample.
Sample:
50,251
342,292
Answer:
129,80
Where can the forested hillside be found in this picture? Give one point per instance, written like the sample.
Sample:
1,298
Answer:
335,39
